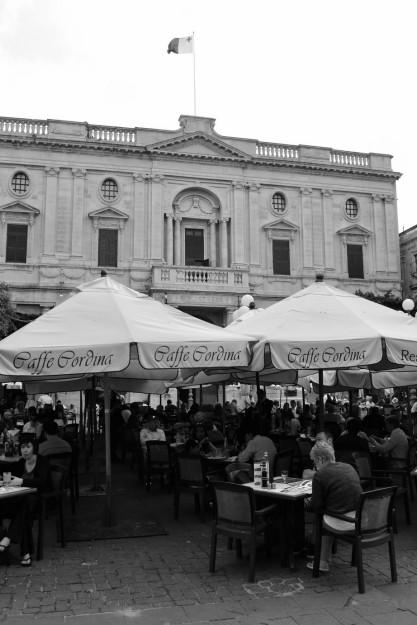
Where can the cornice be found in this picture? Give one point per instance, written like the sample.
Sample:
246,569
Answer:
142,151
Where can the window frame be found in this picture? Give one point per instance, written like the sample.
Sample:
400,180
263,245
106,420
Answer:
285,202
15,193
356,203
102,191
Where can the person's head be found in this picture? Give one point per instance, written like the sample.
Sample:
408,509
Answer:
322,454
392,422
32,414
50,428
152,425
324,436
353,426
252,430
200,431
27,445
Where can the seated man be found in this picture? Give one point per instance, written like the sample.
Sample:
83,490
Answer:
336,489
256,446
151,432
395,447
53,444
353,438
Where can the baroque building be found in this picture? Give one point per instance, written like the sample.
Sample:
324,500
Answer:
408,252
193,218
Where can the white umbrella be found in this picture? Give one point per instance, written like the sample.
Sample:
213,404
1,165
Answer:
110,330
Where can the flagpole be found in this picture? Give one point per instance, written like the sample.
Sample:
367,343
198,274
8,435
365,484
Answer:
195,96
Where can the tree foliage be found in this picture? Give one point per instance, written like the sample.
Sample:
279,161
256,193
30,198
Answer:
7,312
387,299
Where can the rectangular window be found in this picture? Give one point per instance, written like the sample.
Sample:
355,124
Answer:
281,257
194,246
16,246
107,247
355,261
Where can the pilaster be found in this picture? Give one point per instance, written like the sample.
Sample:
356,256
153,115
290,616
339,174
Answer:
79,176
307,227
51,201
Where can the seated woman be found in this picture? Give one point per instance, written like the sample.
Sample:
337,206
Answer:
199,442
31,470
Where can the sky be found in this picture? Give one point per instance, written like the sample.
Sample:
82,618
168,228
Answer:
332,73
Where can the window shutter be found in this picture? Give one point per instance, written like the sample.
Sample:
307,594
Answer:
16,246
355,261
107,247
281,257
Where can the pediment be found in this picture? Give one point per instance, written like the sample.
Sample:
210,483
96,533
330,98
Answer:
20,208
355,230
198,144
108,213
281,224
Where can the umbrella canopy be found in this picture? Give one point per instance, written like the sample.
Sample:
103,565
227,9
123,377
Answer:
342,380
108,328
322,327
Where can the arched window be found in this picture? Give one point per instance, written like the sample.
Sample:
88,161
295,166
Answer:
20,183
109,189
278,203
351,208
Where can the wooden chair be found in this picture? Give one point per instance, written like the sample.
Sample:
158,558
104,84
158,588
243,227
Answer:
66,462
236,517
54,496
160,462
190,476
371,526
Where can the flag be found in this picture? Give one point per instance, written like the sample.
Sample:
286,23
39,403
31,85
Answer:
181,45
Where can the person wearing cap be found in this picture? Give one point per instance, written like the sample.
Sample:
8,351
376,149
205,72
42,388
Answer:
31,470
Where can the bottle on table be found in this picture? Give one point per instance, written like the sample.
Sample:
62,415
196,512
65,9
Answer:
265,471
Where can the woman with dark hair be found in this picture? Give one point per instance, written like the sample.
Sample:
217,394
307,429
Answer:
31,470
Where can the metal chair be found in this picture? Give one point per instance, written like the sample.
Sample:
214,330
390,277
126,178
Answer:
236,517
55,495
371,526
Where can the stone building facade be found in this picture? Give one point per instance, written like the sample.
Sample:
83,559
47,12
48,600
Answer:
408,254
191,217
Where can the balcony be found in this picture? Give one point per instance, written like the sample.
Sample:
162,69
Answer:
190,278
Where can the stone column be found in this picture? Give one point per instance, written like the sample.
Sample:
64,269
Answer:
170,239
328,229
30,240
156,218
177,240
139,231
380,231
253,191
391,220
78,212
240,243
213,255
51,201
224,243
307,227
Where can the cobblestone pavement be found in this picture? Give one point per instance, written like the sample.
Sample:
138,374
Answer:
164,580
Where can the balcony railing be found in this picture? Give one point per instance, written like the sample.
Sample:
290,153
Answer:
23,127
198,278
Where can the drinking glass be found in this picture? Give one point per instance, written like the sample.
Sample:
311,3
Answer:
284,475
7,478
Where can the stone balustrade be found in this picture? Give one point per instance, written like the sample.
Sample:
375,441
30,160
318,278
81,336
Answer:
200,278
110,134
25,127
349,158
274,150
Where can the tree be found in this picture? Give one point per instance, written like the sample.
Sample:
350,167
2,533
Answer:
8,314
387,299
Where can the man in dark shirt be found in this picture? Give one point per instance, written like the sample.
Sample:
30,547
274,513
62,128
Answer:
336,489
351,439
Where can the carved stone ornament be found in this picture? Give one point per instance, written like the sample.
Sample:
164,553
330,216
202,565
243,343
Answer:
18,212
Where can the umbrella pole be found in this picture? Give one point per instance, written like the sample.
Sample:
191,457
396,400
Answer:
258,386
108,516
320,411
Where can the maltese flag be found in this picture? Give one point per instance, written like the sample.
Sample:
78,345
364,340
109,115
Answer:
181,45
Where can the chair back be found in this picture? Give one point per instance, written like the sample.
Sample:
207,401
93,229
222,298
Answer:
234,504
191,469
304,446
375,510
283,461
363,465
412,455
158,452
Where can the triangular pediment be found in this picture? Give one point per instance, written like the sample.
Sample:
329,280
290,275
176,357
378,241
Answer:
355,230
108,213
281,224
20,208
198,144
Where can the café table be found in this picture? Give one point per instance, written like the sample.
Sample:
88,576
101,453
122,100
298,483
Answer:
15,491
291,493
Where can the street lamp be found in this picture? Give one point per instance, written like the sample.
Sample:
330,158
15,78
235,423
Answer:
408,305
